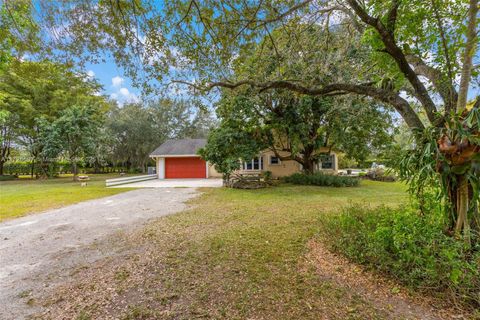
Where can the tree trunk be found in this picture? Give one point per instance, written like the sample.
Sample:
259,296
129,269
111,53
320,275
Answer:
96,167
32,168
308,165
462,225
474,204
1,167
74,171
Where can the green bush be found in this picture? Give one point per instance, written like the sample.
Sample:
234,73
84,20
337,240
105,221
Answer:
411,248
17,168
56,168
320,179
7,177
267,176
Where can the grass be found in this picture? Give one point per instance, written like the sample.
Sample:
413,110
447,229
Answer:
237,254
24,196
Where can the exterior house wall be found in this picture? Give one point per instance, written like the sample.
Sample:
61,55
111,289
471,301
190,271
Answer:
160,168
289,167
335,163
284,168
212,173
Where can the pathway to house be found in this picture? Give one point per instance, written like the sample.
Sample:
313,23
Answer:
40,250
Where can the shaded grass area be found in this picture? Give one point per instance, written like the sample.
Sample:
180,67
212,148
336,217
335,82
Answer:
238,254
24,196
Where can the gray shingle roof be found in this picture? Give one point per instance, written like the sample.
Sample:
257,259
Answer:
179,147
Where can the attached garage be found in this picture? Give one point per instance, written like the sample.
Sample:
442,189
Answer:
178,159
185,167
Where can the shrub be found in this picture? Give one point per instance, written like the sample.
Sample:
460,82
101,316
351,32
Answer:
7,177
267,176
411,248
17,168
320,179
58,167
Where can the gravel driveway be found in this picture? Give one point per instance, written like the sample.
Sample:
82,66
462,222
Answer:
41,250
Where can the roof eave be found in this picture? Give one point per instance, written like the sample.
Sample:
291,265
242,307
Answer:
173,155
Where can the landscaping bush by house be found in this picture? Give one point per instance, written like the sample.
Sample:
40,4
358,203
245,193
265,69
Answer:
411,248
320,179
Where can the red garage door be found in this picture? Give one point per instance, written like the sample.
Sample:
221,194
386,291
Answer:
187,167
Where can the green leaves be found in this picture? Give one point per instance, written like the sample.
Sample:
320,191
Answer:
73,133
228,145
473,118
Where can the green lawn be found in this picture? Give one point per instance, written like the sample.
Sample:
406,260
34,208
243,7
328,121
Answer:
237,254
24,196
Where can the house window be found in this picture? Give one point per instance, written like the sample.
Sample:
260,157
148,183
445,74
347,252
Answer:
327,161
254,164
274,160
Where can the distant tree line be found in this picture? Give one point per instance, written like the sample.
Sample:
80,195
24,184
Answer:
51,113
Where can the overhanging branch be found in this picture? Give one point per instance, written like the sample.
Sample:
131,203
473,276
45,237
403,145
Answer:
441,83
386,96
391,47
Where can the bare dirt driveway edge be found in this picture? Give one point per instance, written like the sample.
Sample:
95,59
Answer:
37,251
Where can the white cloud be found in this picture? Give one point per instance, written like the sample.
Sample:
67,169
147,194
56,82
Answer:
123,95
90,75
132,97
124,92
117,81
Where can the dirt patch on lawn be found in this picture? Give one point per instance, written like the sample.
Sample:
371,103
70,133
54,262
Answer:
396,301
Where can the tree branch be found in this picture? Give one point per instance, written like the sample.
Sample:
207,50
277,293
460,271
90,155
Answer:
443,38
389,97
398,55
443,84
286,13
392,16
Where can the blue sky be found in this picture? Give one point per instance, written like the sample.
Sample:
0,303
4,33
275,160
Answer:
115,84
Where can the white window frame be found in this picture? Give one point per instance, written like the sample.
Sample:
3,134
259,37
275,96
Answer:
260,164
274,164
332,155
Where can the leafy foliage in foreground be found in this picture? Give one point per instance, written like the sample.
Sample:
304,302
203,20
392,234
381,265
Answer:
453,158
320,179
413,249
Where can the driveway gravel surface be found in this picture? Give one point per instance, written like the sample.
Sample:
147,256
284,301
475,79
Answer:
41,250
